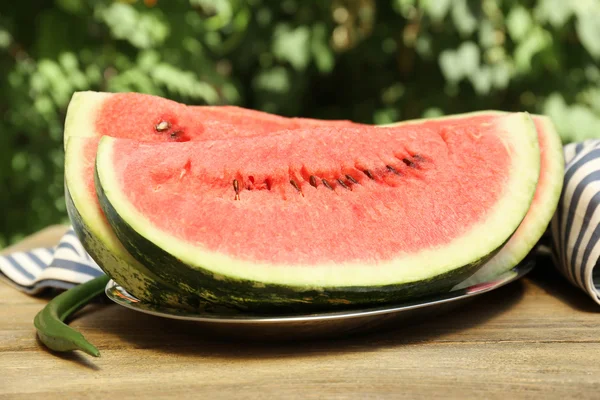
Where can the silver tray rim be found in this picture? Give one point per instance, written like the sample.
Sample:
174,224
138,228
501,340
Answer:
121,297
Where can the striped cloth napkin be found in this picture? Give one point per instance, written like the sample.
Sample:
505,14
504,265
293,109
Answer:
575,232
60,267
575,228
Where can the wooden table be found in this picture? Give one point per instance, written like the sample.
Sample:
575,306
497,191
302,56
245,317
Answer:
536,338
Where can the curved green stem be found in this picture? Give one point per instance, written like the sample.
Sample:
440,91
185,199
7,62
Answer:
51,329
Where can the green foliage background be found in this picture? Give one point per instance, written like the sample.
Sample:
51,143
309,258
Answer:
369,61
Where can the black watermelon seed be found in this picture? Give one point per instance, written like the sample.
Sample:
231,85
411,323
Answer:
327,185
236,188
351,179
295,185
176,134
342,184
408,162
392,169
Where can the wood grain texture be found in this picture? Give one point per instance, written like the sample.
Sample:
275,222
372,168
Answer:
536,338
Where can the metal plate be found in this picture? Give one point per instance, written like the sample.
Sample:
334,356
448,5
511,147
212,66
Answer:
293,326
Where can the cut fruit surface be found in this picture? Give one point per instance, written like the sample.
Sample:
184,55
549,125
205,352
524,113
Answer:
359,215
540,213
156,119
545,200
149,118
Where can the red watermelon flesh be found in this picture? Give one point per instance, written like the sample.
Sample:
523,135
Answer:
545,199
152,118
297,197
542,208
137,116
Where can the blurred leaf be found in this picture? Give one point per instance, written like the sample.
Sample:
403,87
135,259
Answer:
501,74
583,123
184,83
468,54
462,63
141,29
385,116
588,29
404,7
393,93
535,42
487,34
220,13
591,96
432,113
275,80
450,65
482,80
321,52
437,9
72,6
556,108
148,59
423,47
556,12
518,23
5,39
463,18
19,161
584,7
264,16
292,45
592,73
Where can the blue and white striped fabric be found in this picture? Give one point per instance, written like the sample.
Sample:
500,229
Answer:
576,225
61,267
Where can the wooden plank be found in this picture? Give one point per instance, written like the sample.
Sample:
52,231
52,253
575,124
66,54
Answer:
536,338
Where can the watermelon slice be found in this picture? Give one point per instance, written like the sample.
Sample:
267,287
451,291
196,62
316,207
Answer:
544,202
92,114
540,213
150,118
322,216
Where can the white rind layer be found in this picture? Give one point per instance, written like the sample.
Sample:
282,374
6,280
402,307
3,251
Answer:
81,114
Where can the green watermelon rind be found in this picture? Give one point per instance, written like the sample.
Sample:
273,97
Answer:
245,294
98,240
183,265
